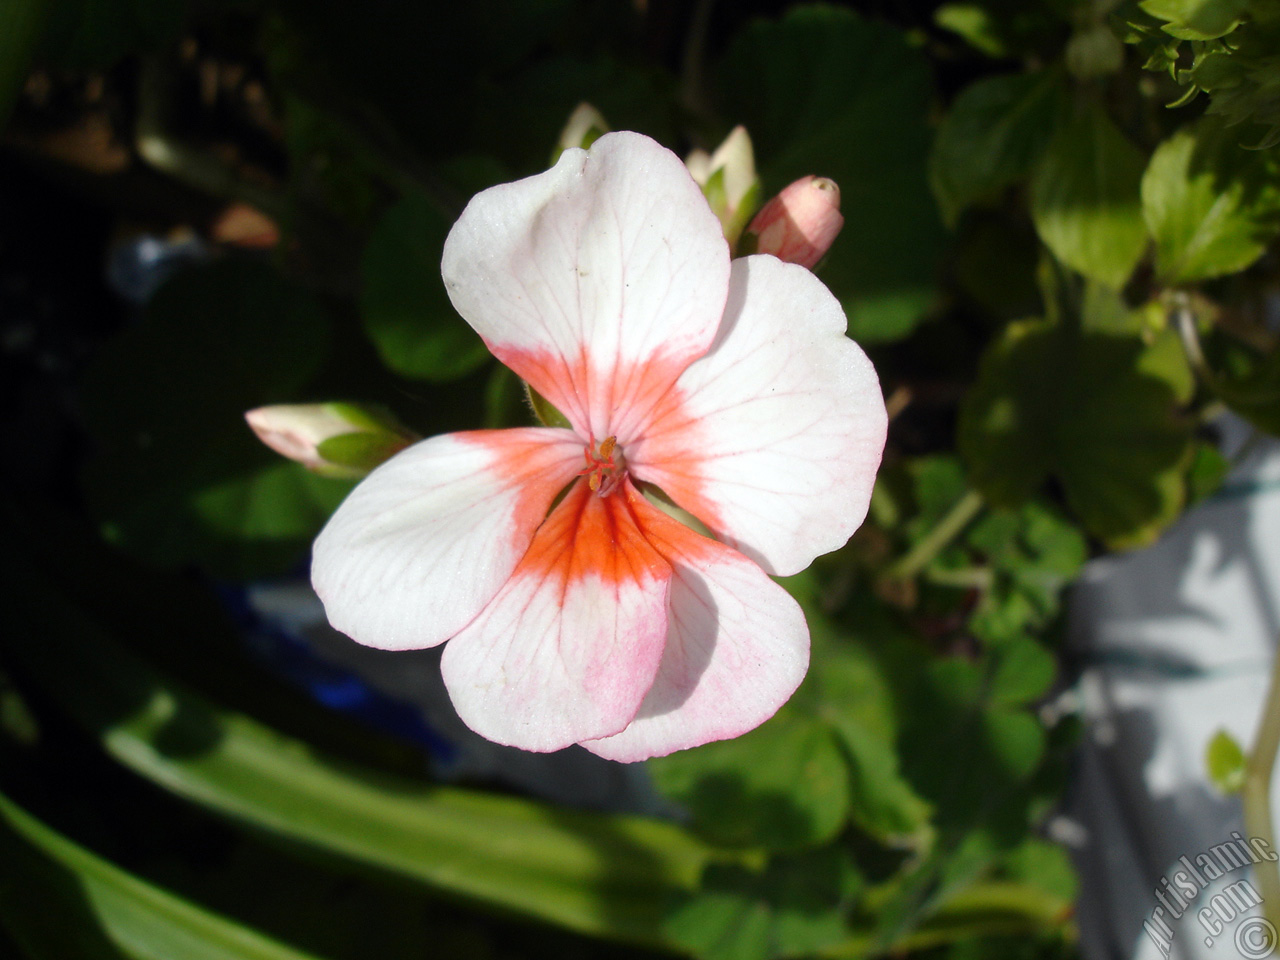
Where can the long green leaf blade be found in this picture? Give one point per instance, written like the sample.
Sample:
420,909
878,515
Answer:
70,902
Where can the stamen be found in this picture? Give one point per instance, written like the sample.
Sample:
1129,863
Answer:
603,472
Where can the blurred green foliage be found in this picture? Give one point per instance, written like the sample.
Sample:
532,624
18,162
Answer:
1060,280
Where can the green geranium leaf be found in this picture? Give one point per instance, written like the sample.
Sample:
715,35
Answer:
724,922
403,302
177,476
1197,19
23,22
937,483
1254,393
1207,471
330,164
793,906
995,265
1016,741
965,752
1044,865
975,25
1084,196
791,84
94,34
1024,671
1225,762
993,134
1166,359
784,785
852,694
1002,29
1053,401
1211,206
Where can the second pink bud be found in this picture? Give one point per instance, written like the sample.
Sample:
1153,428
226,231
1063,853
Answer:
799,224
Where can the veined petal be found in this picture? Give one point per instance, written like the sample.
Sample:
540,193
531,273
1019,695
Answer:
773,438
597,281
737,647
427,539
569,647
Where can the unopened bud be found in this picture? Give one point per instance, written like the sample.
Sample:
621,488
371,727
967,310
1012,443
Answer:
586,125
729,182
331,439
799,224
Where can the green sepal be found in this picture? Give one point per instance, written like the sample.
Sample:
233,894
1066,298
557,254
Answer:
544,410
358,453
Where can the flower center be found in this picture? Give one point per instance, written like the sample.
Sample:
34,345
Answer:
605,466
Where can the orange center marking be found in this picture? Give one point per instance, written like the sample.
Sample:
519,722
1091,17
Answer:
603,471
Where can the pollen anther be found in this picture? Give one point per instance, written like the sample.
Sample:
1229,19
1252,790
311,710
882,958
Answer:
605,469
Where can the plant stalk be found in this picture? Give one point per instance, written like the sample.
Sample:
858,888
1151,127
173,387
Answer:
1256,795
936,540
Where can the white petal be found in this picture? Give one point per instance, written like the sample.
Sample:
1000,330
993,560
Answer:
427,539
569,647
737,647
597,281
773,438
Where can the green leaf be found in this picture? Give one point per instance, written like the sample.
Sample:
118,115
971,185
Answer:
991,137
1254,392
853,696
1004,29
1166,359
519,118
1052,401
403,302
62,901
1212,207
791,83
784,785
1044,865
1084,196
22,25
1197,19
970,756
794,906
1024,671
1207,471
723,922
1093,51
1225,762
95,34
330,165
937,483
1016,740
607,876
995,264
177,476
975,25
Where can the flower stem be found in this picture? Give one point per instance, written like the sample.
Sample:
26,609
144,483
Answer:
1184,320
1257,794
936,540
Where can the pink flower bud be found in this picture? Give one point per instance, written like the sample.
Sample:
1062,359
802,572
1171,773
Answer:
799,224
302,433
